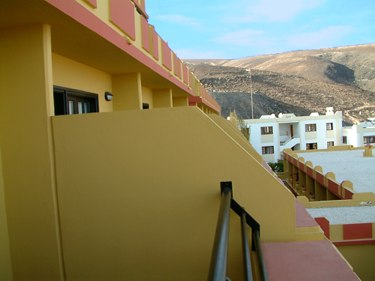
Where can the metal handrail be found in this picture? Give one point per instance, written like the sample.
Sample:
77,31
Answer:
246,250
218,265
258,250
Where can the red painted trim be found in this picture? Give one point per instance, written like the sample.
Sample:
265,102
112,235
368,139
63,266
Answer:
324,224
92,3
346,194
357,231
185,74
155,44
145,35
301,166
122,14
310,171
319,178
334,187
177,66
295,162
166,55
355,242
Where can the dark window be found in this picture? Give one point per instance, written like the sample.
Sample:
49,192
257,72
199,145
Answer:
145,105
329,126
312,145
69,101
310,128
266,130
369,139
267,150
330,143
344,139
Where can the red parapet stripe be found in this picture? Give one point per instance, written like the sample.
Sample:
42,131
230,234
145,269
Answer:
310,171
122,14
301,166
185,74
145,35
334,187
346,194
324,225
355,242
319,178
357,231
155,44
166,55
177,65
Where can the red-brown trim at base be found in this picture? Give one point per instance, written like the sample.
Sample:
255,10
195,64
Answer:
355,242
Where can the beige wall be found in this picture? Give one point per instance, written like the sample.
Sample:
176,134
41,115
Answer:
361,257
5,263
143,204
66,72
27,157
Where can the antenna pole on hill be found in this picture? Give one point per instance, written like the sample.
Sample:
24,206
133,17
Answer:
251,94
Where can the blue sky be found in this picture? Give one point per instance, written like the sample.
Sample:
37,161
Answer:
235,29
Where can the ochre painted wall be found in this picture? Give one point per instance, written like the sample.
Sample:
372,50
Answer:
27,156
5,263
141,202
361,257
66,71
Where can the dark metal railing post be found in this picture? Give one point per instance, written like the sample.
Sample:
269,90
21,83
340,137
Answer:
258,249
218,265
245,250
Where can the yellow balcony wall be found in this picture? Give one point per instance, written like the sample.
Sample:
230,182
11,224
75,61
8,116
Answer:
5,262
141,202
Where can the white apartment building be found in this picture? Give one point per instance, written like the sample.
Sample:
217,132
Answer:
360,134
270,135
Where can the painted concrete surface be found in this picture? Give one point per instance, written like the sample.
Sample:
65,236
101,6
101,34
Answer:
297,261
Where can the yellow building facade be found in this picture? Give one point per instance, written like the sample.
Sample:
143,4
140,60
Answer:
122,193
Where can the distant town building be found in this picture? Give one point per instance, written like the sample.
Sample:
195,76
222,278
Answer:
360,134
270,135
340,196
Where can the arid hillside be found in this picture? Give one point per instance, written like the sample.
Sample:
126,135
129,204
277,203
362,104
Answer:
299,82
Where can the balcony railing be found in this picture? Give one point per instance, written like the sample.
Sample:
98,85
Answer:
218,267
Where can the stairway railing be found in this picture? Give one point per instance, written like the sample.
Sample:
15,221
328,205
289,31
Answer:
218,267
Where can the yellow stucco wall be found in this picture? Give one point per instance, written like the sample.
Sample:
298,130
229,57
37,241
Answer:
141,202
5,263
27,157
66,71
361,258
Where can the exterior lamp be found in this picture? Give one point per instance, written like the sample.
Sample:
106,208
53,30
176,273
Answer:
108,96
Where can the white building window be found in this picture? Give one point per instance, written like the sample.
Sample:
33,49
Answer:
344,139
368,139
310,146
329,126
310,127
266,130
268,150
330,143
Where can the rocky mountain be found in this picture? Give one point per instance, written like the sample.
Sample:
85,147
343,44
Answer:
300,82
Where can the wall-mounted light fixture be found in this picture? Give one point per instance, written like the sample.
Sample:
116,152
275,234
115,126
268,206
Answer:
108,96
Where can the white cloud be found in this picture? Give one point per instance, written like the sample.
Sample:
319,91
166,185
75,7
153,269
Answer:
271,10
329,36
243,38
179,19
198,54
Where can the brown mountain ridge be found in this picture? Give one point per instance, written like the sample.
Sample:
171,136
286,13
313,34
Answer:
300,82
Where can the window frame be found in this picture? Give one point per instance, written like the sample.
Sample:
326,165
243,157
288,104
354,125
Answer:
266,130
311,127
267,150
62,95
